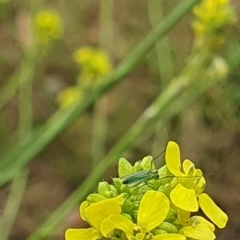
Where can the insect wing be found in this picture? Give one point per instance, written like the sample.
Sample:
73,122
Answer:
139,177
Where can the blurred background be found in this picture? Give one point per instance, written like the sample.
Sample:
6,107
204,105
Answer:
207,130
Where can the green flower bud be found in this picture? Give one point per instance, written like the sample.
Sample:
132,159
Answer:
168,227
95,197
134,215
114,191
172,215
147,163
124,167
137,167
128,216
127,207
117,182
136,205
104,189
164,189
157,231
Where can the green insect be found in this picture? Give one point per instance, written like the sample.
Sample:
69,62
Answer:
143,176
135,179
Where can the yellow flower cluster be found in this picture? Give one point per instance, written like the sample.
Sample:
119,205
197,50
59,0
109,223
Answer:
93,64
212,15
47,26
150,203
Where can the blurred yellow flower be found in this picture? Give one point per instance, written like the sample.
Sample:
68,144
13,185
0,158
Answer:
211,16
47,26
93,63
68,97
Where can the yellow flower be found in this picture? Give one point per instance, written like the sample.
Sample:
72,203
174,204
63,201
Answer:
187,195
212,15
198,228
68,97
153,209
47,25
95,214
94,63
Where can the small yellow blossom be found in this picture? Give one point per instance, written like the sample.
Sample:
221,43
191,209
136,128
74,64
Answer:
68,97
212,15
189,196
93,64
95,214
47,26
153,209
198,228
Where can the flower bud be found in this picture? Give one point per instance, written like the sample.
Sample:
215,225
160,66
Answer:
157,231
104,189
128,216
127,207
168,227
95,197
147,163
171,216
117,182
114,191
124,167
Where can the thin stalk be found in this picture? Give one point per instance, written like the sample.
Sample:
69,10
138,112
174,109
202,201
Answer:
13,203
17,189
16,159
101,106
180,93
164,62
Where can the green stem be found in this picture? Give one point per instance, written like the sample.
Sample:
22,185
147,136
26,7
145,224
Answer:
13,203
100,108
17,189
22,154
167,105
165,65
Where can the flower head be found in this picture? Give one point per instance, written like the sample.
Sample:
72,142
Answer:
68,97
47,26
187,195
149,203
93,64
212,16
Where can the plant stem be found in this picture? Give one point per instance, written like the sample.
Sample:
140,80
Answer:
101,106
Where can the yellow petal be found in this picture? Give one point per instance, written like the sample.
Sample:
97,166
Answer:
172,158
82,208
99,211
206,222
184,198
183,215
153,209
199,232
188,167
212,211
170,236
83,234
116,221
